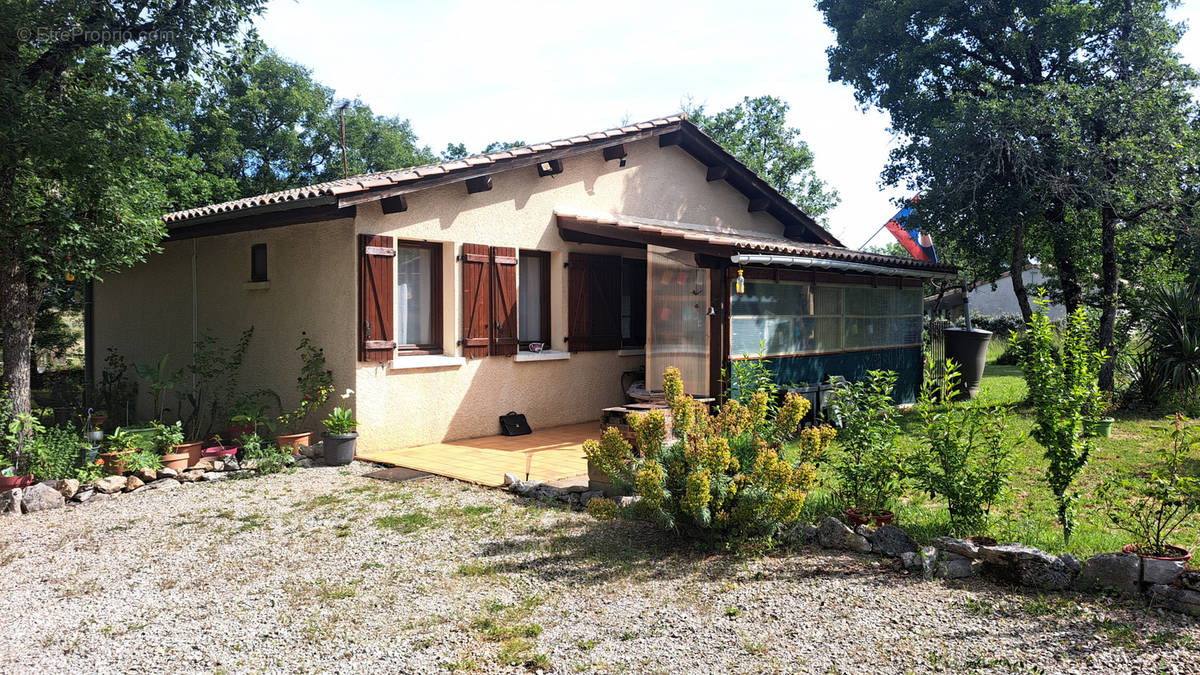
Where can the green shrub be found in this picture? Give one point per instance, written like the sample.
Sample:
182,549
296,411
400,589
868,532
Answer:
869,464
1152,507
1169,318
145,458
262,456
1062,387
966,454
724,478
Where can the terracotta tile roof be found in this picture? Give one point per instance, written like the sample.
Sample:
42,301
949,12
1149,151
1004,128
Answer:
366,182
686,235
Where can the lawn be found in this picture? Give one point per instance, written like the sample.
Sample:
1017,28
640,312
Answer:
1027,513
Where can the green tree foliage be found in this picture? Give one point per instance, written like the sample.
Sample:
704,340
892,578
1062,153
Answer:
80,169
1061,372
756,132
1057,130
459,150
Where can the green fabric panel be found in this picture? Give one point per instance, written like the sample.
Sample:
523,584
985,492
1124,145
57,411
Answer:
854,366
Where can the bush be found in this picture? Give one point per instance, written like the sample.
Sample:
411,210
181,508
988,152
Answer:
966,454
1152,508
1062,387
869,465
1169,318
1002,325
263,457
723,478
55,453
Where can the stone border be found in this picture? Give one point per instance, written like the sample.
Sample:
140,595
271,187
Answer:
1165,584
55,494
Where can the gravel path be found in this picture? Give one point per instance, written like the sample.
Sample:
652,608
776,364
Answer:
322,570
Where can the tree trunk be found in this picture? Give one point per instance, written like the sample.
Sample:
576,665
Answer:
1064,262
16,326
1110,282
1016,271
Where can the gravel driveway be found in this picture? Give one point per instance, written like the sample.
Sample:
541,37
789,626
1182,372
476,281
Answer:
323,570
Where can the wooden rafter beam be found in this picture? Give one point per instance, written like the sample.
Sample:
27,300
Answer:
397,204
549,167
717,172
758,204
479,184
614,152
672,138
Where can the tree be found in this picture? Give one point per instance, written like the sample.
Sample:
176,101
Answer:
755,131
79,170
1050,129
455,151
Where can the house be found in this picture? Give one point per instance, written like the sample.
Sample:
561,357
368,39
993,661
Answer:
621,251
993,298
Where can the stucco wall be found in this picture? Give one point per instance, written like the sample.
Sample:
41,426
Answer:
399,408
148,310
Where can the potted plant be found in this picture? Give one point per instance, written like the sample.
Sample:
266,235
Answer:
315,384
1098,418
168,441
15,435
340,434
1152,508
118,447
869,466
142,458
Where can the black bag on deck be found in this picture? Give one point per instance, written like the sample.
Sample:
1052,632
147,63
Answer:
514,424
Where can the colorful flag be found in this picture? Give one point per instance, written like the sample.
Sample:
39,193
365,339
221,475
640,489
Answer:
917,243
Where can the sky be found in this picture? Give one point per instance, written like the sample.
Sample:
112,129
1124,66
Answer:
477,71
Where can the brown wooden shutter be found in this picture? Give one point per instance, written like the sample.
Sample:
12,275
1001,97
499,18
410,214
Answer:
477,300
594,302
376,283
578,307
504,301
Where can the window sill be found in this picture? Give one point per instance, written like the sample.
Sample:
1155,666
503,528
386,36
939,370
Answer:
256,285
551,355
631,352
427,361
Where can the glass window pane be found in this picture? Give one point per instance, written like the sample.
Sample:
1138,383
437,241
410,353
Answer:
530,271
414,276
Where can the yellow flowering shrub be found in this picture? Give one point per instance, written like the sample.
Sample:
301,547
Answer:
603,508
716,475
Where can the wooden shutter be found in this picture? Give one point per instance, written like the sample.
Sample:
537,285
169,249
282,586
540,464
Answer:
504,301
376,339
477,300
594,302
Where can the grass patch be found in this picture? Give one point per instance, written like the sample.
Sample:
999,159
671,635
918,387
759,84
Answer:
405,523
476,570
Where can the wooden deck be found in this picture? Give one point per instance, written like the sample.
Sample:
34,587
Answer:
554,454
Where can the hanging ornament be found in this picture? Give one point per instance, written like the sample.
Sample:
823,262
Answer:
739,286
70,277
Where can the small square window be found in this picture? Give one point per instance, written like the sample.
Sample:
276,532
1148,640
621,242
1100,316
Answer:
258,262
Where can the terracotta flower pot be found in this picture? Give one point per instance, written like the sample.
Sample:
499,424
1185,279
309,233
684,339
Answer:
177,460
192,450
860,516
217,451
1182,554
9,482
114,462
235,431
293,441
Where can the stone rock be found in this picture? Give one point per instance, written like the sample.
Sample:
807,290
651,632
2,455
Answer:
1153,571
956,546
547,492
166,473
146,475
1072,563
1190,580
10,502
205,464
1120,571
110,484
231,463
132,483
585,497
1028,566
892,541
509,479
213,476
926,561
954,566
305,463
525,488
190,476
627,501
163,484
832,533
67,487
83,495
41,497
801,534
218,465
1176,599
